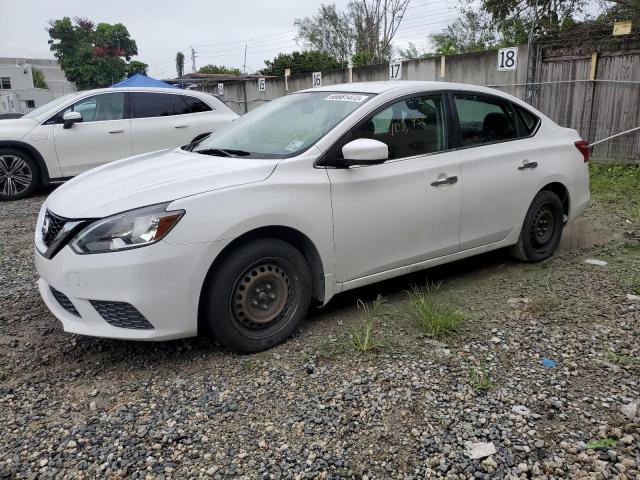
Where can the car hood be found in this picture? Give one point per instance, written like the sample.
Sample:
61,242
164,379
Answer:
15,128
152,178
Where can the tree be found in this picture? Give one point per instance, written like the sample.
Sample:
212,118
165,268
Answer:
364,31
471,32
300,62
219,69
180,64
328,31
410,53
513,17
91,55
135,67
38,78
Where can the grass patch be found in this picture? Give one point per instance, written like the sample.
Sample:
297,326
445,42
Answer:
617,185
543,305
604,443
480,376
366,338
434,312
616,358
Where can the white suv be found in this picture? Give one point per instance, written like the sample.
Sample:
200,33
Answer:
80,131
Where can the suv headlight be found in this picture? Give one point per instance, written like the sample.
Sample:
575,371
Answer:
127,230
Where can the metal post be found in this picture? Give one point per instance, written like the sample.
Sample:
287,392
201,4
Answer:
193,60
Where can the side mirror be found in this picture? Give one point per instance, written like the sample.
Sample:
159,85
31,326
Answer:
364,151
69,118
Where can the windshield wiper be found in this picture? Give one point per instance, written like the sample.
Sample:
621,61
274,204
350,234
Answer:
222,152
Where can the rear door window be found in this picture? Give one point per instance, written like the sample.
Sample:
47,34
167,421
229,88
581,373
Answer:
195,105
148,105
484,119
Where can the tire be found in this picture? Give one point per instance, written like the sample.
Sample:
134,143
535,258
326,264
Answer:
256,296
19,174
541,229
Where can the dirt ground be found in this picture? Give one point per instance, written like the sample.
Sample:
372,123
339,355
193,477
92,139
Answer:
314,407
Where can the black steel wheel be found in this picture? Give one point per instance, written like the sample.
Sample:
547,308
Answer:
18,174
541,229
255,297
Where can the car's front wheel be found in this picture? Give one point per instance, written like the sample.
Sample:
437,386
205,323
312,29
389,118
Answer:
18,174
256,296
541,229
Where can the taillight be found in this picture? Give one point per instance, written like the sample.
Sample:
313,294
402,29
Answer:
583,146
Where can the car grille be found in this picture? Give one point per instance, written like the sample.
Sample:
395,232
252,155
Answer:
55,224
122,315
64,301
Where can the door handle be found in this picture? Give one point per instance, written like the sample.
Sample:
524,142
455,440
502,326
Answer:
117,131
180,126
526,164
444,181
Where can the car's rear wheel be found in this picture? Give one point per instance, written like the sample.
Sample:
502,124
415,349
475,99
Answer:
256,296
541,229
18,174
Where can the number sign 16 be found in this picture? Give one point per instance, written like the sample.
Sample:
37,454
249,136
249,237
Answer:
507,59
316,79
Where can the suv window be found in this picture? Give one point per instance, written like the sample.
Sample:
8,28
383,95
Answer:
147,105
195,105
413,126
97,108
484,119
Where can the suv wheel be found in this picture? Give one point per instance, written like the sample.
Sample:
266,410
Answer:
18,174
541,230
256,296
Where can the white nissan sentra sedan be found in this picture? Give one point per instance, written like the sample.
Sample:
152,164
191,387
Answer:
313,194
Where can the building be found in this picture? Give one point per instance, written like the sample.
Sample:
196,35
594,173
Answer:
18,92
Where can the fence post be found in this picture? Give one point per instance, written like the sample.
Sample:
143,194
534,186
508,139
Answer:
442,67
244,95
593,73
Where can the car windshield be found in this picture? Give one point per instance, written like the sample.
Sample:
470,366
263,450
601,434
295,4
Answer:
48,106
284,127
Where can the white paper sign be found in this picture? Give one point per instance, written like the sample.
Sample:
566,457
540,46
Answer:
346,97
221,89
395,71
316,79
262,85
507,59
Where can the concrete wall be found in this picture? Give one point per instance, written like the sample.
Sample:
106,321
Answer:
476,68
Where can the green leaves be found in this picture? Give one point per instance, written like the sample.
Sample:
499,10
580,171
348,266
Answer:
93,56
301,62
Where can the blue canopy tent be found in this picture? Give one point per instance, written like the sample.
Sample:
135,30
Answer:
138,80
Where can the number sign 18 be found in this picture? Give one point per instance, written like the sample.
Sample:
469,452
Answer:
507,59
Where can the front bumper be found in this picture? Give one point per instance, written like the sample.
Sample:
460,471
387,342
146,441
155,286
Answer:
161,281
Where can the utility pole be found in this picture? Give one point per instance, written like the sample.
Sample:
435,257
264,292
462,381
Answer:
193,60
244,66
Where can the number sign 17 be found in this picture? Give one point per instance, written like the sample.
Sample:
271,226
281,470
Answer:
507,59
395,71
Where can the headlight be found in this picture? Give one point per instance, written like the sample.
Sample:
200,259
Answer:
132,229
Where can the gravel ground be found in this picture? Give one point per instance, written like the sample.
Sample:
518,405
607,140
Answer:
77,407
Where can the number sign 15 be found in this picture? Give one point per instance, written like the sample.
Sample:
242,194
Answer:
507,59
262,85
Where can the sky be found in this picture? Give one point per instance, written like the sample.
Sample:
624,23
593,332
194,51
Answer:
217,30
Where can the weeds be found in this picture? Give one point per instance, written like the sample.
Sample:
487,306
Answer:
544,304
433,311
365,338
618,358
480,376
617,185
604,443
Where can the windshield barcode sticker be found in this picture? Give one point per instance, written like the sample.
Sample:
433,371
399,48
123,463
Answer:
345,97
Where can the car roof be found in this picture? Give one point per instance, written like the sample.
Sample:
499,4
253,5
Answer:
144,89
401,86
